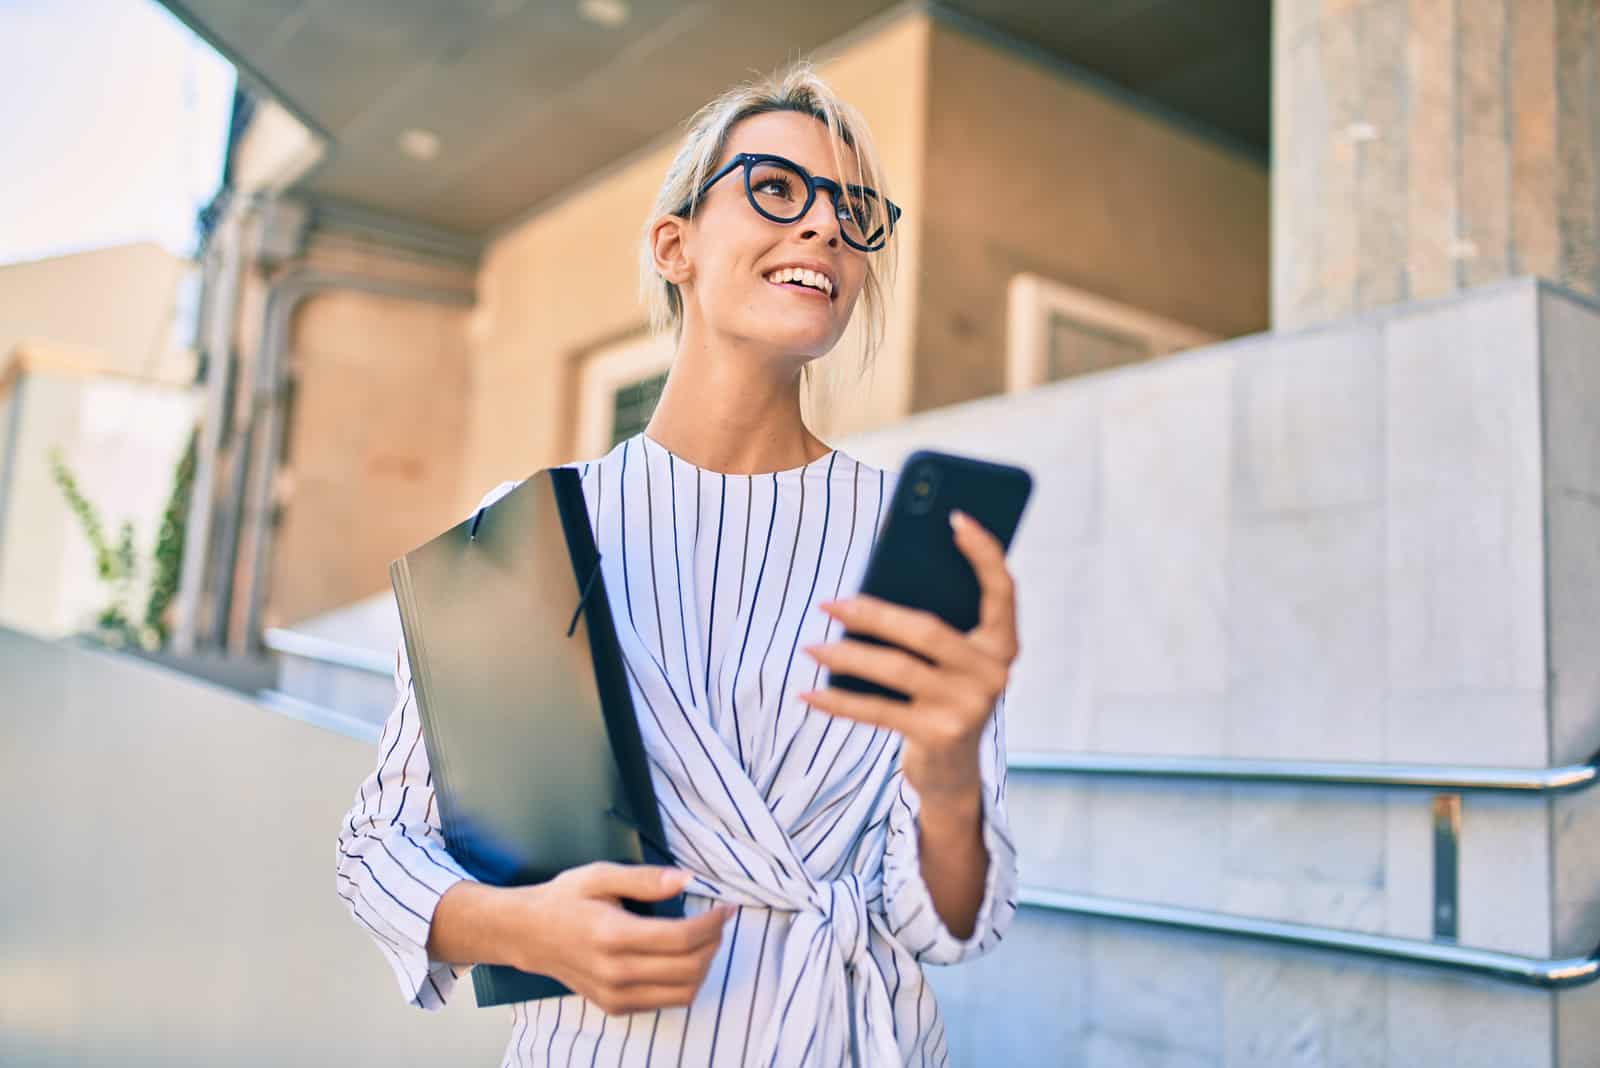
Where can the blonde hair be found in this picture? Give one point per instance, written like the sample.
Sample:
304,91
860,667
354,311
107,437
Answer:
797,89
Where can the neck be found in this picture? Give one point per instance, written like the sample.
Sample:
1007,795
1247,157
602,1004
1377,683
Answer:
734,409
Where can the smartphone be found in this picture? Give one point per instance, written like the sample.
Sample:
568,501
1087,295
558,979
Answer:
915,561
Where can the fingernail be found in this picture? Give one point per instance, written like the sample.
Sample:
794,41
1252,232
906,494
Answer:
958,518
676,879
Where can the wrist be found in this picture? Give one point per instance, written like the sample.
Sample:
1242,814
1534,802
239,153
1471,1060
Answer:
945,774
955,809
476,923
519,927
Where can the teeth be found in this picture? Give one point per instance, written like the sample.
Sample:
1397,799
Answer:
814,279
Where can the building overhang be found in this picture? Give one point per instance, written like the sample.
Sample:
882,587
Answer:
463,117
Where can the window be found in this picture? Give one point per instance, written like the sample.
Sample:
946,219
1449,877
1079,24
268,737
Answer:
1056,331
633,404
618,386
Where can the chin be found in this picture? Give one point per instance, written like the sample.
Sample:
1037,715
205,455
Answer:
806,346
799,341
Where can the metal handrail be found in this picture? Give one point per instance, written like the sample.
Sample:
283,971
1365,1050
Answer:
1528,971
326,651
1443,780
320,716
1316,773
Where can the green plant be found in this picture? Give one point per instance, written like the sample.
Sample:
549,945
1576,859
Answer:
116,564
169,542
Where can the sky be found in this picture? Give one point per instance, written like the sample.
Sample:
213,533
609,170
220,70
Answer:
113,128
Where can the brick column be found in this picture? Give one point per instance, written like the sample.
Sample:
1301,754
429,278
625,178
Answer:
1424,146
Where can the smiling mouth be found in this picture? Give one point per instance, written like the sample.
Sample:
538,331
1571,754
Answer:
802,290
803,279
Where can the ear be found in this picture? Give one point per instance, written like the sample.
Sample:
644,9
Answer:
669,247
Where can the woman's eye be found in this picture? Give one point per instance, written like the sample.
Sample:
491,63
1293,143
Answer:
781,185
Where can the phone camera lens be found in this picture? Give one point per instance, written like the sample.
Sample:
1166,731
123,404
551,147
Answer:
924,488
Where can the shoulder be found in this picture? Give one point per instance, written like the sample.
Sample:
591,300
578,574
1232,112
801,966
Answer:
848,461
495,494
499,491
869,479
886,477
506,487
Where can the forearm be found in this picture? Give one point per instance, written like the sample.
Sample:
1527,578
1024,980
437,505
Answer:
475,923
954,859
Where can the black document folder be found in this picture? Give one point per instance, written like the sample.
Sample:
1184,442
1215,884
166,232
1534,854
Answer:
537,761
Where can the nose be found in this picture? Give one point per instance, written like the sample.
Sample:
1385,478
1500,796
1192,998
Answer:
826,225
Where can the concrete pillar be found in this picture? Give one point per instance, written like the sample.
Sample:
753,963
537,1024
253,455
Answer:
1425,146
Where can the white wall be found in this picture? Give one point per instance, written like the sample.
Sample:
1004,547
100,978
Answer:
169,896
1346,544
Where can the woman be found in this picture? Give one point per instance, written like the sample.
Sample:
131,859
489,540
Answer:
830,843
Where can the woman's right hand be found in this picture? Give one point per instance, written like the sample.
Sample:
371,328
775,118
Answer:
577,932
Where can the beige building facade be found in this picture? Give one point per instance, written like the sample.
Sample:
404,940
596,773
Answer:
406,412
126,309
409,369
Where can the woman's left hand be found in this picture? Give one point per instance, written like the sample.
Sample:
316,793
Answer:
952,692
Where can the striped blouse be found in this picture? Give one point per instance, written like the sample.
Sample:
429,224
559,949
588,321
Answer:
801,820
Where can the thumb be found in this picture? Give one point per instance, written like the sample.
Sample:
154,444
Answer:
641,882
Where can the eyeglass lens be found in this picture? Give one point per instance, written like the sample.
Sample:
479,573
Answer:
780,193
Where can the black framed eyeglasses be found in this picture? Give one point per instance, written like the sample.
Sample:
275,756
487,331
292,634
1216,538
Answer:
783,191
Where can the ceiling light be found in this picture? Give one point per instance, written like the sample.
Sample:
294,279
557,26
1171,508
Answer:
420,144
604,12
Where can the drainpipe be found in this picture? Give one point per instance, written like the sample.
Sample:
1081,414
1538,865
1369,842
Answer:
225,556
217,313
268,415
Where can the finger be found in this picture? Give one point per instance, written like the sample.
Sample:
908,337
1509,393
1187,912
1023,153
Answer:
665,936
643,998
997,612
912,629
640,882
884,665
651,969
863,708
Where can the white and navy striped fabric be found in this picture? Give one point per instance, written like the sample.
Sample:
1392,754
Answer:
802,820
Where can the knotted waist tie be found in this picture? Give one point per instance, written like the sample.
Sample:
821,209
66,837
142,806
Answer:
832,1005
